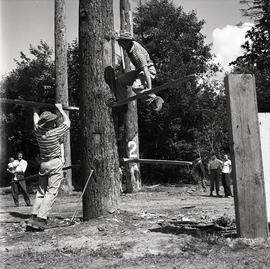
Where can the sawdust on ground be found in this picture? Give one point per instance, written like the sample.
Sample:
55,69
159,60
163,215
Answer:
139,233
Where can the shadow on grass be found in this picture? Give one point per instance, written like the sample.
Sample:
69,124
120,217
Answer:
20,215
195,229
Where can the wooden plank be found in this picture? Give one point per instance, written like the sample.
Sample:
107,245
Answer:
250,204
152,161
64,168
34,104
154,90
264,122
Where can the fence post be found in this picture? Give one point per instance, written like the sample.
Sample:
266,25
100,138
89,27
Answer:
249,192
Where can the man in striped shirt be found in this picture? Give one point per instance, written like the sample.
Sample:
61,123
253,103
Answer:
50,173
141,78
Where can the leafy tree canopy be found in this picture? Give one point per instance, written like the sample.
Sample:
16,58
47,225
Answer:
33,79
192,120
256,57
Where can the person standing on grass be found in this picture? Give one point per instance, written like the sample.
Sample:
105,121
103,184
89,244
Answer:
141,78
50,173
17,168
214,168
225,176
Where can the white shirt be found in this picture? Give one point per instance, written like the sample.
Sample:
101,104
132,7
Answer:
226,167
21,168
11,166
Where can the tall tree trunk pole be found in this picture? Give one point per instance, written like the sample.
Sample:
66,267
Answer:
98,133
61,75
131,139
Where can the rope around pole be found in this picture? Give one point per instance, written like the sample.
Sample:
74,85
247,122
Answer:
76,209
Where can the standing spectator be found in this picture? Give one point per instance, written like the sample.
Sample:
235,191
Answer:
11,175
18,168
198,172
226,170
214,168
50,173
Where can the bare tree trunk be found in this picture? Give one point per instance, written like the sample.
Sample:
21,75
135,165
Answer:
131,136
61,76
98,133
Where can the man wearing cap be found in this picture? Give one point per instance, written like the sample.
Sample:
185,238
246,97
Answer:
50,173
141,78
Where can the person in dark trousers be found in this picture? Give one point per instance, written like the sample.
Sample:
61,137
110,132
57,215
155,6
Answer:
225,176
198,172
16,169
48,136
141,78
214,168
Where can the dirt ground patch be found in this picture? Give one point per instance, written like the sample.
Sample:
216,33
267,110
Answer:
142,232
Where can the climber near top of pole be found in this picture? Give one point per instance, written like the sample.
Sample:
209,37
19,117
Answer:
141,78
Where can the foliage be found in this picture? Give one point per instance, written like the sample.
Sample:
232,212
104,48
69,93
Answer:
254,8
256,57
34,79
192,120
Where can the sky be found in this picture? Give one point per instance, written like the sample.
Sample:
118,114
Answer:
25,22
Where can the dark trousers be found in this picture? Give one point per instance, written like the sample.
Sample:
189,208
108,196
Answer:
214,180
199,179
16,187
226,184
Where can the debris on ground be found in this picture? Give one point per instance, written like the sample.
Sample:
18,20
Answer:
161,227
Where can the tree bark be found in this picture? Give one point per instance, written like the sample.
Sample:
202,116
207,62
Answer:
61,76
131,137
98,133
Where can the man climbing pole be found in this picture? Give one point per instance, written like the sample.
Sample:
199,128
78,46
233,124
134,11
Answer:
141,78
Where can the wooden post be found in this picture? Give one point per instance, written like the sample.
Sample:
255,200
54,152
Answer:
264,121
61,75
131,137
99,150
250,204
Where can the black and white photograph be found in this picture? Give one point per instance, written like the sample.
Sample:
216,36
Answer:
135,134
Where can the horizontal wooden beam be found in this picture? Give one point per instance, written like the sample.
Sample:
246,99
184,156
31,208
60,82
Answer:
34,104
152,161
154,90
36,175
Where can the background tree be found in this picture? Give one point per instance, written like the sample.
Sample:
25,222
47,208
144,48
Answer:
256,57
61,78
99,151
254,8
192,121
193,115
34,79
